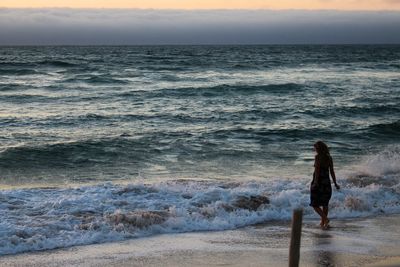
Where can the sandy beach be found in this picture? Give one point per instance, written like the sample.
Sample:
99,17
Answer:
351,242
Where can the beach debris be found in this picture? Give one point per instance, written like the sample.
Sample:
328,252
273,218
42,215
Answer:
250,202
138,219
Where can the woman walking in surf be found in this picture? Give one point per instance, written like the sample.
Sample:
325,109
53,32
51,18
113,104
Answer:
321,189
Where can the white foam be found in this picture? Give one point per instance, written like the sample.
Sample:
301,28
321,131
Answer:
384,163
38,219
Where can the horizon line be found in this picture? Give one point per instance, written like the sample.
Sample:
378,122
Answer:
272,44
204,9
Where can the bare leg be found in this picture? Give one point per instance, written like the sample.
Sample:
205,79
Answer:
321,213
325,209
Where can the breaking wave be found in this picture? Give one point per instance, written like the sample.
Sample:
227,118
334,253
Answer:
47,218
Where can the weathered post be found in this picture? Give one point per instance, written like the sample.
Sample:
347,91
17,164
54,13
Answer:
294,250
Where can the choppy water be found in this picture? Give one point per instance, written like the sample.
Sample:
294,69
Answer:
72,115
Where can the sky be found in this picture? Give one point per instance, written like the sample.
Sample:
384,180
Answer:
122,22
211,4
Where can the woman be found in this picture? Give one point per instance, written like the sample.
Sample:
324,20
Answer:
321,190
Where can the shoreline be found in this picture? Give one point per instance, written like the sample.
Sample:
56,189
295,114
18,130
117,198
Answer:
349,242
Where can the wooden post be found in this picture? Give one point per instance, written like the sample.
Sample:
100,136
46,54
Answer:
294,251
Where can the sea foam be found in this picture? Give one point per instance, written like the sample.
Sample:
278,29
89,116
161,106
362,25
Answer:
47,218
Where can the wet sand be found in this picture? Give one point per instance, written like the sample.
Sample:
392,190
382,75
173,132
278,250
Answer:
352,242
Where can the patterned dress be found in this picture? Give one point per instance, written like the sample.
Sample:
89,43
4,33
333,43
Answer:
321,194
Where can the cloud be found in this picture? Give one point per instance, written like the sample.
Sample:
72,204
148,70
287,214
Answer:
135,26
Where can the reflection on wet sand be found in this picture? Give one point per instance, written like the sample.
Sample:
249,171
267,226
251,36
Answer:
323,255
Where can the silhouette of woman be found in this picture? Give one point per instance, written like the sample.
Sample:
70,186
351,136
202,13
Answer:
321,190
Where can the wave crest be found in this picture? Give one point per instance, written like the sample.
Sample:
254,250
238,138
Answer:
61,217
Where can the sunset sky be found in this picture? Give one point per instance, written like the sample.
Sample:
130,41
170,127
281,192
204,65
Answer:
212,4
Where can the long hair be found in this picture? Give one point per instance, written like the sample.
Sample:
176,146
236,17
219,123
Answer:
323,153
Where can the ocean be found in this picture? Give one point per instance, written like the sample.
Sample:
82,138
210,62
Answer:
107,143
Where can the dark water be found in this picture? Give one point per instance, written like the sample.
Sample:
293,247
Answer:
105,113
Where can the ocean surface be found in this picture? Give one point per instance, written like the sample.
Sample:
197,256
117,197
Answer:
105,143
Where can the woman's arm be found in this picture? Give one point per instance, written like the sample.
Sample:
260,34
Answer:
332,171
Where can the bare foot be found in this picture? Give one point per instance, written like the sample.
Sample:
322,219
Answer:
326,224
